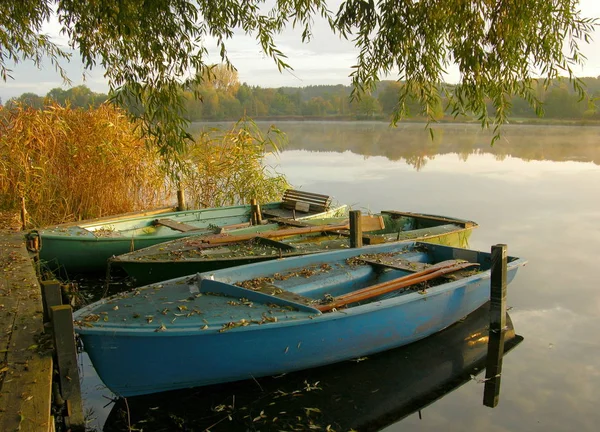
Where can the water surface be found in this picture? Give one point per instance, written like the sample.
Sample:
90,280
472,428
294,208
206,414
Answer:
537,190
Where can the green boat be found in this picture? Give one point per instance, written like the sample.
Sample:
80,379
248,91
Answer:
200,253
86,247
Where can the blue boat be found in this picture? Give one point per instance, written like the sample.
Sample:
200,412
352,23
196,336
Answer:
279,316
415,376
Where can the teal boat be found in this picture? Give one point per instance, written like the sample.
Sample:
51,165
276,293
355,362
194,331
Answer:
201,253
86,247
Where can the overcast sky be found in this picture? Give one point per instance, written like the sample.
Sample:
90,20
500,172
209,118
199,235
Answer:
325,60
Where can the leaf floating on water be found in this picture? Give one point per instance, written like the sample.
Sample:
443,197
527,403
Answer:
260,416
149,318
312,410
161,328
310,387
182,308
204,327
116,307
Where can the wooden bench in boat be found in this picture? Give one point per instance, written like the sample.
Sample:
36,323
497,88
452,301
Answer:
305,201
464,224
275,291
300,201
397,264
178,226
416,267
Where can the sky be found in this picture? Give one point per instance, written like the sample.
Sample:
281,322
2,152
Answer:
327,59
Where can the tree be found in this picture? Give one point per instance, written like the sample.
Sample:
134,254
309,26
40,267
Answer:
150,48
30,100
221,77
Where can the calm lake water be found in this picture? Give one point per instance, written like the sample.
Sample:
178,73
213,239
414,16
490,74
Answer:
537,190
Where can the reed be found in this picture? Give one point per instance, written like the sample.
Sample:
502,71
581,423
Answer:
225,167
72,164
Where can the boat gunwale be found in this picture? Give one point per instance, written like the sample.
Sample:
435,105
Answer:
47,232
118,329
125,258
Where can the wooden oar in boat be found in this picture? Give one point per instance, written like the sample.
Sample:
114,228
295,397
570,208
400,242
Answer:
274,233
429,273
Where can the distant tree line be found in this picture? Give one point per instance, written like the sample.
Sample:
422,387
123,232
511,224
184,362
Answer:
222,97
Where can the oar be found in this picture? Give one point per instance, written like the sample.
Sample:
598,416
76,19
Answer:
274,233
432,272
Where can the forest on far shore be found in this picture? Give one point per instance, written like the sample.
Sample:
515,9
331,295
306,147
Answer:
222,97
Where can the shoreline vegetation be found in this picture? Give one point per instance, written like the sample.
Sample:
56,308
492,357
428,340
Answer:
221,97
450,121
73,155
69,164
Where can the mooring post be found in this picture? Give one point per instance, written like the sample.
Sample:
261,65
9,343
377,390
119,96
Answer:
51,296
493,370
23,215
255,216
180,199
66,359
258,214
355,229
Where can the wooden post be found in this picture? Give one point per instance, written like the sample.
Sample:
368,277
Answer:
355,229
258,213
498,288
23,215
253,218
493,371
180,199
51,296
66,359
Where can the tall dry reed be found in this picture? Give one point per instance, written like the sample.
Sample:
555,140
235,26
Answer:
73,164
225,167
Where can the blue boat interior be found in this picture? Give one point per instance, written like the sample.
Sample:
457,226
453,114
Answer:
322,280
275,291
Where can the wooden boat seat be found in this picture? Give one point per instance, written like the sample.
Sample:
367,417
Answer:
178,226
300,201
464,224
398,264
272,290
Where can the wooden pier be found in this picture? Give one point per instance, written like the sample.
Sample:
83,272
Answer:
25,356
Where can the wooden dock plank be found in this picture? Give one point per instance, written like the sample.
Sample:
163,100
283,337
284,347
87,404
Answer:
26,377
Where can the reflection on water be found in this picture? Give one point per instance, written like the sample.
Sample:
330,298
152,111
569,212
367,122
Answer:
364,395
413,144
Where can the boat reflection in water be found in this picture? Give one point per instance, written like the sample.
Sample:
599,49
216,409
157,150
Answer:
365,394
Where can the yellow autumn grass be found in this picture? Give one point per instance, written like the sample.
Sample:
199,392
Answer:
72,164
225,167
